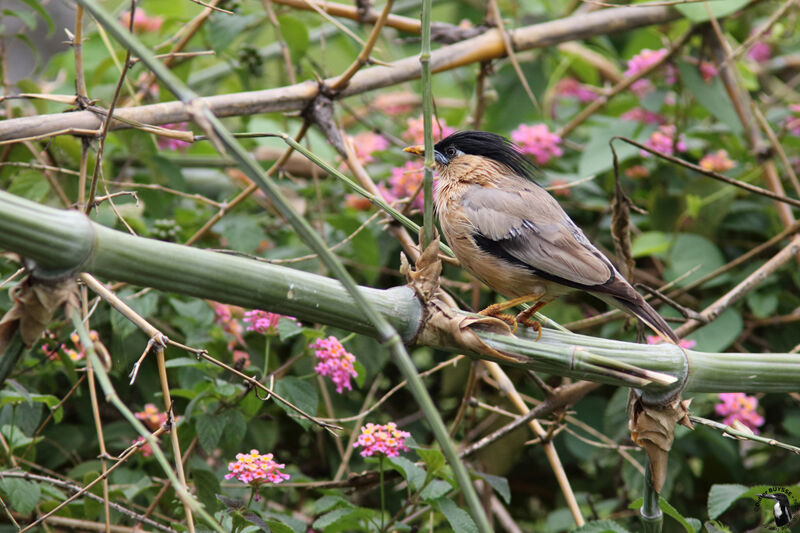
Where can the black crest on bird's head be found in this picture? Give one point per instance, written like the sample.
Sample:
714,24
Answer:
486,144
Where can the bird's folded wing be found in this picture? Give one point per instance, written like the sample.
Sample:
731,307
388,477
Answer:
528,227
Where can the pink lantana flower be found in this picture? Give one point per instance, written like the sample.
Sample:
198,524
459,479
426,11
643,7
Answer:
144,447
792,123
708,71
142,22
405,182
335,362
663,140
687,344
176,145
641,61
264,322
416,130
254,469
367,142
537,141
738,406
760,52
385,439
151,416
640,114
572,88
717,161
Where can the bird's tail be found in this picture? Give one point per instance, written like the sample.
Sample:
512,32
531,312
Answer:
645,312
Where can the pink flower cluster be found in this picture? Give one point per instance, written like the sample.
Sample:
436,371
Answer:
416,130
142,22
334,361
663,140
144,446
385,439
760,52
367,142
404,182
738,406
640,114
684,343
717,161
572,88
167,143
254,468
77,353
708,71
792,123
537,141
151,416
641,61
265,322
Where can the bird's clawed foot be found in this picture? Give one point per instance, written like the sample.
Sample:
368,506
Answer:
524,318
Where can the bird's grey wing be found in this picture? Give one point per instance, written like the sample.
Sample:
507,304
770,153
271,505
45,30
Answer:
526,226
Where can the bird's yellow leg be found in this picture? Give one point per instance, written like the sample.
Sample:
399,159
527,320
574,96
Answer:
496,310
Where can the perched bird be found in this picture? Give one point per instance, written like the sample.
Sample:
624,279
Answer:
782,510
511,234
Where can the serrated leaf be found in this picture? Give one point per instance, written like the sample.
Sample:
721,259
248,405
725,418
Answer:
328,502
687,523
209,430
722,496
410,472
207,486
235,427
222,29
340,517
30,184
457,517
301,394
433,459
288,328
278,527
435,490
23,495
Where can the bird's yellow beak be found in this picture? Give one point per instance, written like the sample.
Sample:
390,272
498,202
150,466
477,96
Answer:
416,150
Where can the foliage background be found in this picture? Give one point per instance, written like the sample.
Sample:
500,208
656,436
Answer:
686,221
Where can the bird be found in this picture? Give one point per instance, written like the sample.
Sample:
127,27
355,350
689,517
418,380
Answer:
510,233
782,511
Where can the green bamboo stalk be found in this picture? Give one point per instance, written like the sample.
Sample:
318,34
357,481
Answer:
58,242
224,141
427,121
650,513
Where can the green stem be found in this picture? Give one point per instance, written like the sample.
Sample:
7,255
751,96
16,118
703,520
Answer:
266,358
651,515
427,114
383,499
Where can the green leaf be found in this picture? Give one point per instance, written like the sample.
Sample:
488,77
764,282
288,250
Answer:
433,459
719,8
207,486
458,518
601,526
180,362
435,490
300,393
791,423
209,430
499,484
711,95
27,18
277,526
288,328
690,251
295,33
410,472
651,243
328,502
597,156
763,303
30,184
722,496
719,334
223,29
341,519
36,5
235,427
669,510
23,495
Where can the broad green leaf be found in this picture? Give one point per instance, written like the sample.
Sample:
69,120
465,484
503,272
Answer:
719,334
235,427
342,519
295,33
435,490
288,328
458,518
222,29
433,459
651,243
763,303
209,429
499,484
301,394
207,486
711,95
690,251
30,184
410,472
277,526
179,362
697,12
597,156
36,5
691,525
722,496
328,502
791,423
23,495
601,526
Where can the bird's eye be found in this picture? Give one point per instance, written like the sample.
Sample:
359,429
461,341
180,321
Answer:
451,152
